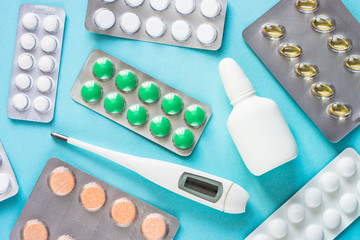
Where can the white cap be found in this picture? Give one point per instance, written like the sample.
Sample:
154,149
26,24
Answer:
234,79
236,199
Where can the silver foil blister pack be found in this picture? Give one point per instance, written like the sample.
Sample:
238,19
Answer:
36,63
170,118
8,184
312,48
186,23
50,215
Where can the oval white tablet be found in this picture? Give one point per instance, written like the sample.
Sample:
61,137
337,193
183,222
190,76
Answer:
5,183
314,232
348,203
261,237
134,3
26,61
331,218
278,228
313,197
44,84
104,19
51,23
28,41
30,21
159,5
329,182
180,30
155,27
23,82
296,213
206,34
20,101
185,7
130,23
210,8
42,104
46,64
346,167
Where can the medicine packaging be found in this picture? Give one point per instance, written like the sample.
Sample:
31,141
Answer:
321,209
36,63
312,48
8,184
141,103
67,203
187,23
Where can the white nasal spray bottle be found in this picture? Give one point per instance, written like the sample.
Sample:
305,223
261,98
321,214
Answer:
256,125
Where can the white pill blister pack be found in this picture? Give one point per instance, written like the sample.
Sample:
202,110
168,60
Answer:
186,23
321,209
36,63
8,184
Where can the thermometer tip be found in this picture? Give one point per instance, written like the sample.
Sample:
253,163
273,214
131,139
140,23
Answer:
59,136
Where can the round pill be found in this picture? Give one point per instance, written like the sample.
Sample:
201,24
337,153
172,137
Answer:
348,203
51,24
155,27
329,182
44,84
346,167
34,230
210,8
183,138
180,31
296,213
137,115
206,34
20,102
103,69
159,5
149,92
26,61
313,197
195,116
23,82
314,232
261,237
130,23
28,41
134,3
126,80
331,219
92,197
278,228
154,227
65,237
61,181
5,183
123,212
114,103
46,64
48,44
104,19
160,126
185,7
30,21
172,104
42,104
91,91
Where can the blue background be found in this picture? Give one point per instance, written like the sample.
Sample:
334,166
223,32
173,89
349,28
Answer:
194,72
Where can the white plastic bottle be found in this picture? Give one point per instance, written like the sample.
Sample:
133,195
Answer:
256,124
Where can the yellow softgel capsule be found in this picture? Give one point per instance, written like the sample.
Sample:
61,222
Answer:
322,90
290,50
339,44
273,31
340,110
353,63
306,70
307,6
323,24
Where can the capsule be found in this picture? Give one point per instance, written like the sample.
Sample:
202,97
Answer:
307,6
290,50
306,70
322,90
323,24
273,31
339,110
353,63
339,44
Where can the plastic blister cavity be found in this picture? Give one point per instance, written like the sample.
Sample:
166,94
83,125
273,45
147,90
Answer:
8,184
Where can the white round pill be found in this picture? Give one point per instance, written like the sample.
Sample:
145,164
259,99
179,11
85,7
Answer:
23,82
329,182
42,104
313,197
51,24
46,64
314,232
26,61
278,228
104,19
28,41
206,34
296,213
30,21
44,84
134,3
348,203
155,27
331,218
180,30
159,5
210,8
346,167
130,23
20,101
5,183
49,44
185,7
261,237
